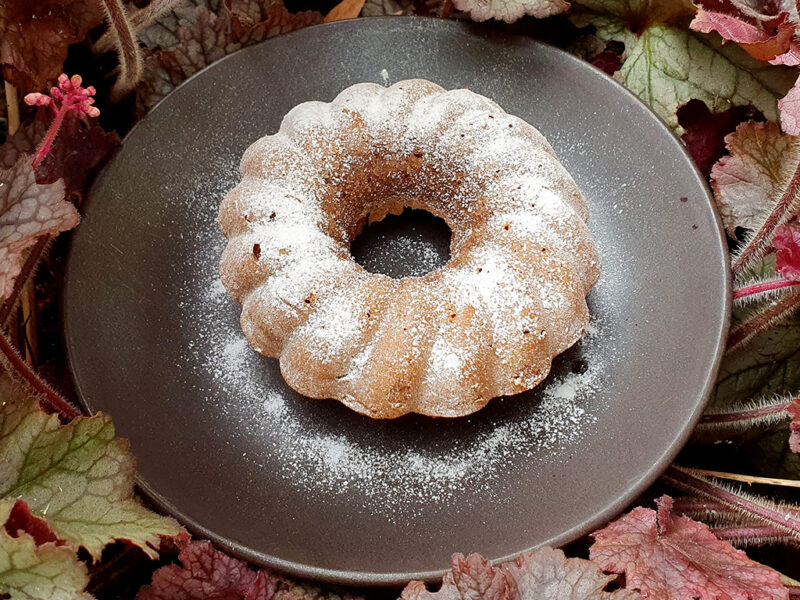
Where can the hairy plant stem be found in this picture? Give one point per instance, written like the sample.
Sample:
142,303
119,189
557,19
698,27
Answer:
781,213
707,510
138,19
28,269
761,320
756,535
750,414
50,136
50,398
764,286
763,512
130,59
736,420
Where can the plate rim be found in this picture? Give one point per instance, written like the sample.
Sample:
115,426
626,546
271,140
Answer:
396,578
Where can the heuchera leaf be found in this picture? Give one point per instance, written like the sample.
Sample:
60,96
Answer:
747,182
253,21
669,557
203,37
787,245
706,131
510,10
203,573
31,571
543,573
34,37
207,40
27,211
667,66
206,573
78,477
163,32
763,40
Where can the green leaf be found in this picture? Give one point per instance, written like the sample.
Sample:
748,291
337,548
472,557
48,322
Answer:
667,66
770,364
46,572
79,476
769,454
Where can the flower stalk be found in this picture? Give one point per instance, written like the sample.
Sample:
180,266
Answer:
70,95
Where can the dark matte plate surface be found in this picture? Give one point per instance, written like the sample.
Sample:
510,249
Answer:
310,487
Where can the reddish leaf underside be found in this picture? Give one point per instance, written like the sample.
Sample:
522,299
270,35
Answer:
28,210
705,131
20,520
670,557
607,61
761,43
35,35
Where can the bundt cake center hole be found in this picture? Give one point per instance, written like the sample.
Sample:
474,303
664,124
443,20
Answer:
410,244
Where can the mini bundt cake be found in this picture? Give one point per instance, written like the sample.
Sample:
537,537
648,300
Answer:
486,324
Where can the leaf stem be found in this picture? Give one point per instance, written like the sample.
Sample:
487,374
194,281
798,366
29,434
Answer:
760,510
750,414
764,286
138,18
46,394
756,535
28,269
745,331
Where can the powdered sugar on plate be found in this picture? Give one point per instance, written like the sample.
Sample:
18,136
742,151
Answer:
394,467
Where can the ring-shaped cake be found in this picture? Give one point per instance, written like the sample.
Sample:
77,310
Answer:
486,324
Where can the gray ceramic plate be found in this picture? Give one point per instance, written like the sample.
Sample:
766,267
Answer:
310,487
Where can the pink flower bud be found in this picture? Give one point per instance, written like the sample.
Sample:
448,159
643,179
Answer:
37,99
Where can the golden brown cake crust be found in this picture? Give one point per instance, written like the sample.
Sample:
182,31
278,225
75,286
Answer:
486,324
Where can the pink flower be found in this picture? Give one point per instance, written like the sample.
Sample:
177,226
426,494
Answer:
69,95
787,244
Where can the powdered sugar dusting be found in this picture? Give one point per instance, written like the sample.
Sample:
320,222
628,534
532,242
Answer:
321,460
